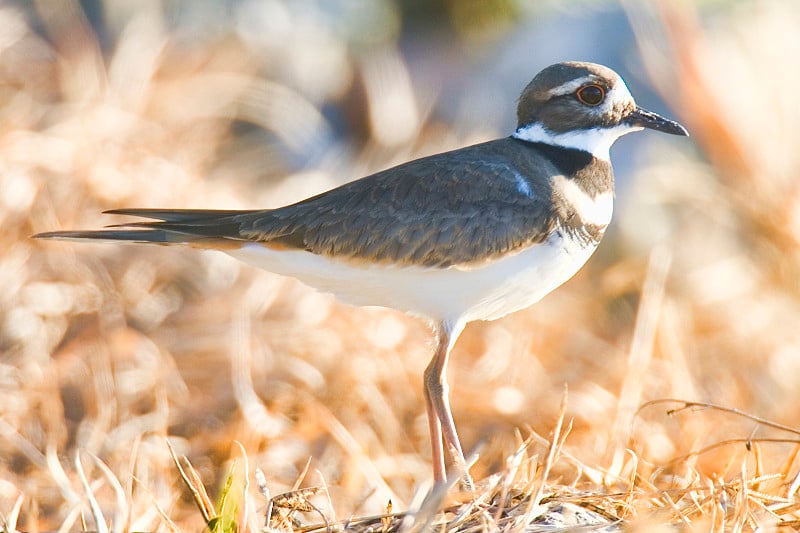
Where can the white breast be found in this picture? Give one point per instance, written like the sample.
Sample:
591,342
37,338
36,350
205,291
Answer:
454,294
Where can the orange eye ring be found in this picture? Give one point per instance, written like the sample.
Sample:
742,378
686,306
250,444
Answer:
591,95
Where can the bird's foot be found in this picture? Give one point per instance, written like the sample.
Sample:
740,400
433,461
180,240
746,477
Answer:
461,468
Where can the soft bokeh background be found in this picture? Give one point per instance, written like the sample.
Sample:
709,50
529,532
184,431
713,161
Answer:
694,294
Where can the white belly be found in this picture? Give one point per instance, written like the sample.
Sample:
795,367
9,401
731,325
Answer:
453,294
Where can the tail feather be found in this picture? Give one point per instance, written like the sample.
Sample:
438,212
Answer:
138,236
179,215
196,227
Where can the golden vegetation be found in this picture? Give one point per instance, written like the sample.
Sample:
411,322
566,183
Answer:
108,351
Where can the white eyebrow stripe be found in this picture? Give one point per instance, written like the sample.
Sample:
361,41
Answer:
570,86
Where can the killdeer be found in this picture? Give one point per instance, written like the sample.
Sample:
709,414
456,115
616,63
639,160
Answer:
471,234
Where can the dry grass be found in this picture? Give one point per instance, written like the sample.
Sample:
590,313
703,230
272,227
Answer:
108,351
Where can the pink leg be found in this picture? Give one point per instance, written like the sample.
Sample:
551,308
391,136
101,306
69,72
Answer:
440,418
435,429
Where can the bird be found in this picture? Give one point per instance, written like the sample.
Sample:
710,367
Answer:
470,234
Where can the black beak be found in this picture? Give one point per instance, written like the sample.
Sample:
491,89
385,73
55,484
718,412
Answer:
643,118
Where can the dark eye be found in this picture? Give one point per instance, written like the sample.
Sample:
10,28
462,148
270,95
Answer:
591,94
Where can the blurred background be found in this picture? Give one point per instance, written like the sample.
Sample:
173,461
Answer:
694,294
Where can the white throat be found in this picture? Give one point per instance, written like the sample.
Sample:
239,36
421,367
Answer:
596,141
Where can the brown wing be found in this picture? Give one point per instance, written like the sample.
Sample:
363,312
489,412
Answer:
459,207
454,208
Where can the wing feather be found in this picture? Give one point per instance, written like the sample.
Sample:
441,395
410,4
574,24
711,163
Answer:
455,208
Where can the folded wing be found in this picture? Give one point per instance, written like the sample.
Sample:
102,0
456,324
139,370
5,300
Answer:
438,211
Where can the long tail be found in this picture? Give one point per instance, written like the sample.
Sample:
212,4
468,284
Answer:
196,227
